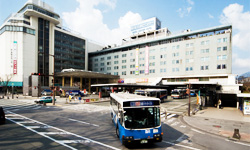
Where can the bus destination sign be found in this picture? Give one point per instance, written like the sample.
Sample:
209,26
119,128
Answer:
141,103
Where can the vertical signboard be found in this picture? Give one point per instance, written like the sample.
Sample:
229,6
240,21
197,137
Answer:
137,61
146,60
14,57
246,107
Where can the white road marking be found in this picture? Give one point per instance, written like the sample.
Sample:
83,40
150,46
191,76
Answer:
84,122
174,124
53,133
171,120
198,131
24,121
170,116
81,137
183,126
181,145
181,138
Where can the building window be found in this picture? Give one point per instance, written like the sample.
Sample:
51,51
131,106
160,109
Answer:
163,70
109,57
124,61
219,57
206,67
173,69
102,64
187,68
124,73
141,65
152,64
219,40
116,73
177,61
224,57
218,66
124,67
132,66
132,60
163,63
218,49
224,39
204,50
101,69
151,57
224,48
202,67
109,63
173,61
177,69
142,58
124,55
191,68
96,59
224,66
141,71
132,72
108,68
116,67
96,65
116,62
152,71
131,54
116,56
102,58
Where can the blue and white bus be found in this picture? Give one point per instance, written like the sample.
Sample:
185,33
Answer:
136,118
162,94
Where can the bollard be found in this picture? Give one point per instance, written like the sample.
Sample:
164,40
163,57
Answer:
236,134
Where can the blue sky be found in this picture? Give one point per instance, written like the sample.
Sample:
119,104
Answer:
107,21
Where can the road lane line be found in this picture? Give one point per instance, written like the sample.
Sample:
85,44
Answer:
84,138
173,144
198,131
170,116
83,122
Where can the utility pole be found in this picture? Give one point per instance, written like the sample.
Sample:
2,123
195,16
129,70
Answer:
53,100
189,100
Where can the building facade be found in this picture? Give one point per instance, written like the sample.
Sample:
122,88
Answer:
32,40
159,54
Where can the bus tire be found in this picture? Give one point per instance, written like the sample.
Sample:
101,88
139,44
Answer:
117,132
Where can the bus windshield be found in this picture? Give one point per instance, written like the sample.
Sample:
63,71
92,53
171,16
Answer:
175,92
137,118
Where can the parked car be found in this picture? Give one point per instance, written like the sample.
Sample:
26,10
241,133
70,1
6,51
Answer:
46,92
44,99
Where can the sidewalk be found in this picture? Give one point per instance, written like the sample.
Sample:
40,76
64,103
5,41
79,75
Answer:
221,122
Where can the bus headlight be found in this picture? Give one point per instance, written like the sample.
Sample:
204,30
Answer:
157,135
128,137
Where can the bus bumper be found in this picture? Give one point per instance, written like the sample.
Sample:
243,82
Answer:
128,140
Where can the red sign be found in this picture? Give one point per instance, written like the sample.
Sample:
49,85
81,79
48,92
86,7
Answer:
15,67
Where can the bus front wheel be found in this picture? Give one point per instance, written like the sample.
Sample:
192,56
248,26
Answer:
117,132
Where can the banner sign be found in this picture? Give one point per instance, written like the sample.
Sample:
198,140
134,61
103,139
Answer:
14,54
146,60
137,61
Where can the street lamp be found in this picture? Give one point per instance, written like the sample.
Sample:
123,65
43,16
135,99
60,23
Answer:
53,79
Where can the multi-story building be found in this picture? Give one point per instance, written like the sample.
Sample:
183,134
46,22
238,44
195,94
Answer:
159,54
33,39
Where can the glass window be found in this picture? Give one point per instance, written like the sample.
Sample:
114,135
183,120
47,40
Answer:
191,68
219,57
116,62
224,48
124,61
218,66
202,67
186,68
108,58
124,67
224,66
124,55
224,57
218,49
206,67
224,39
191,52
124,73
116,56
219,40
102,58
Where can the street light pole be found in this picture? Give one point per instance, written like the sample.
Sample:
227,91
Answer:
189,100
53,100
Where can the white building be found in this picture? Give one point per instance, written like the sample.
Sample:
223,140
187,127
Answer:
30,38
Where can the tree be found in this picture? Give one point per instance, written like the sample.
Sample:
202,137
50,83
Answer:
5,81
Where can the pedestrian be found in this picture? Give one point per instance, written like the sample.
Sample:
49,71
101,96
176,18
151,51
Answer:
219,104
69,98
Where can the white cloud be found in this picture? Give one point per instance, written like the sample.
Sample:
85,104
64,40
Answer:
185,10
233,14
240,65
210,16
88,20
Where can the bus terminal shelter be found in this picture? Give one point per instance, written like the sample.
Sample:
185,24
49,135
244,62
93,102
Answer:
83,79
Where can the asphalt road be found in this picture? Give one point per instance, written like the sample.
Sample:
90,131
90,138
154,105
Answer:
89,126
